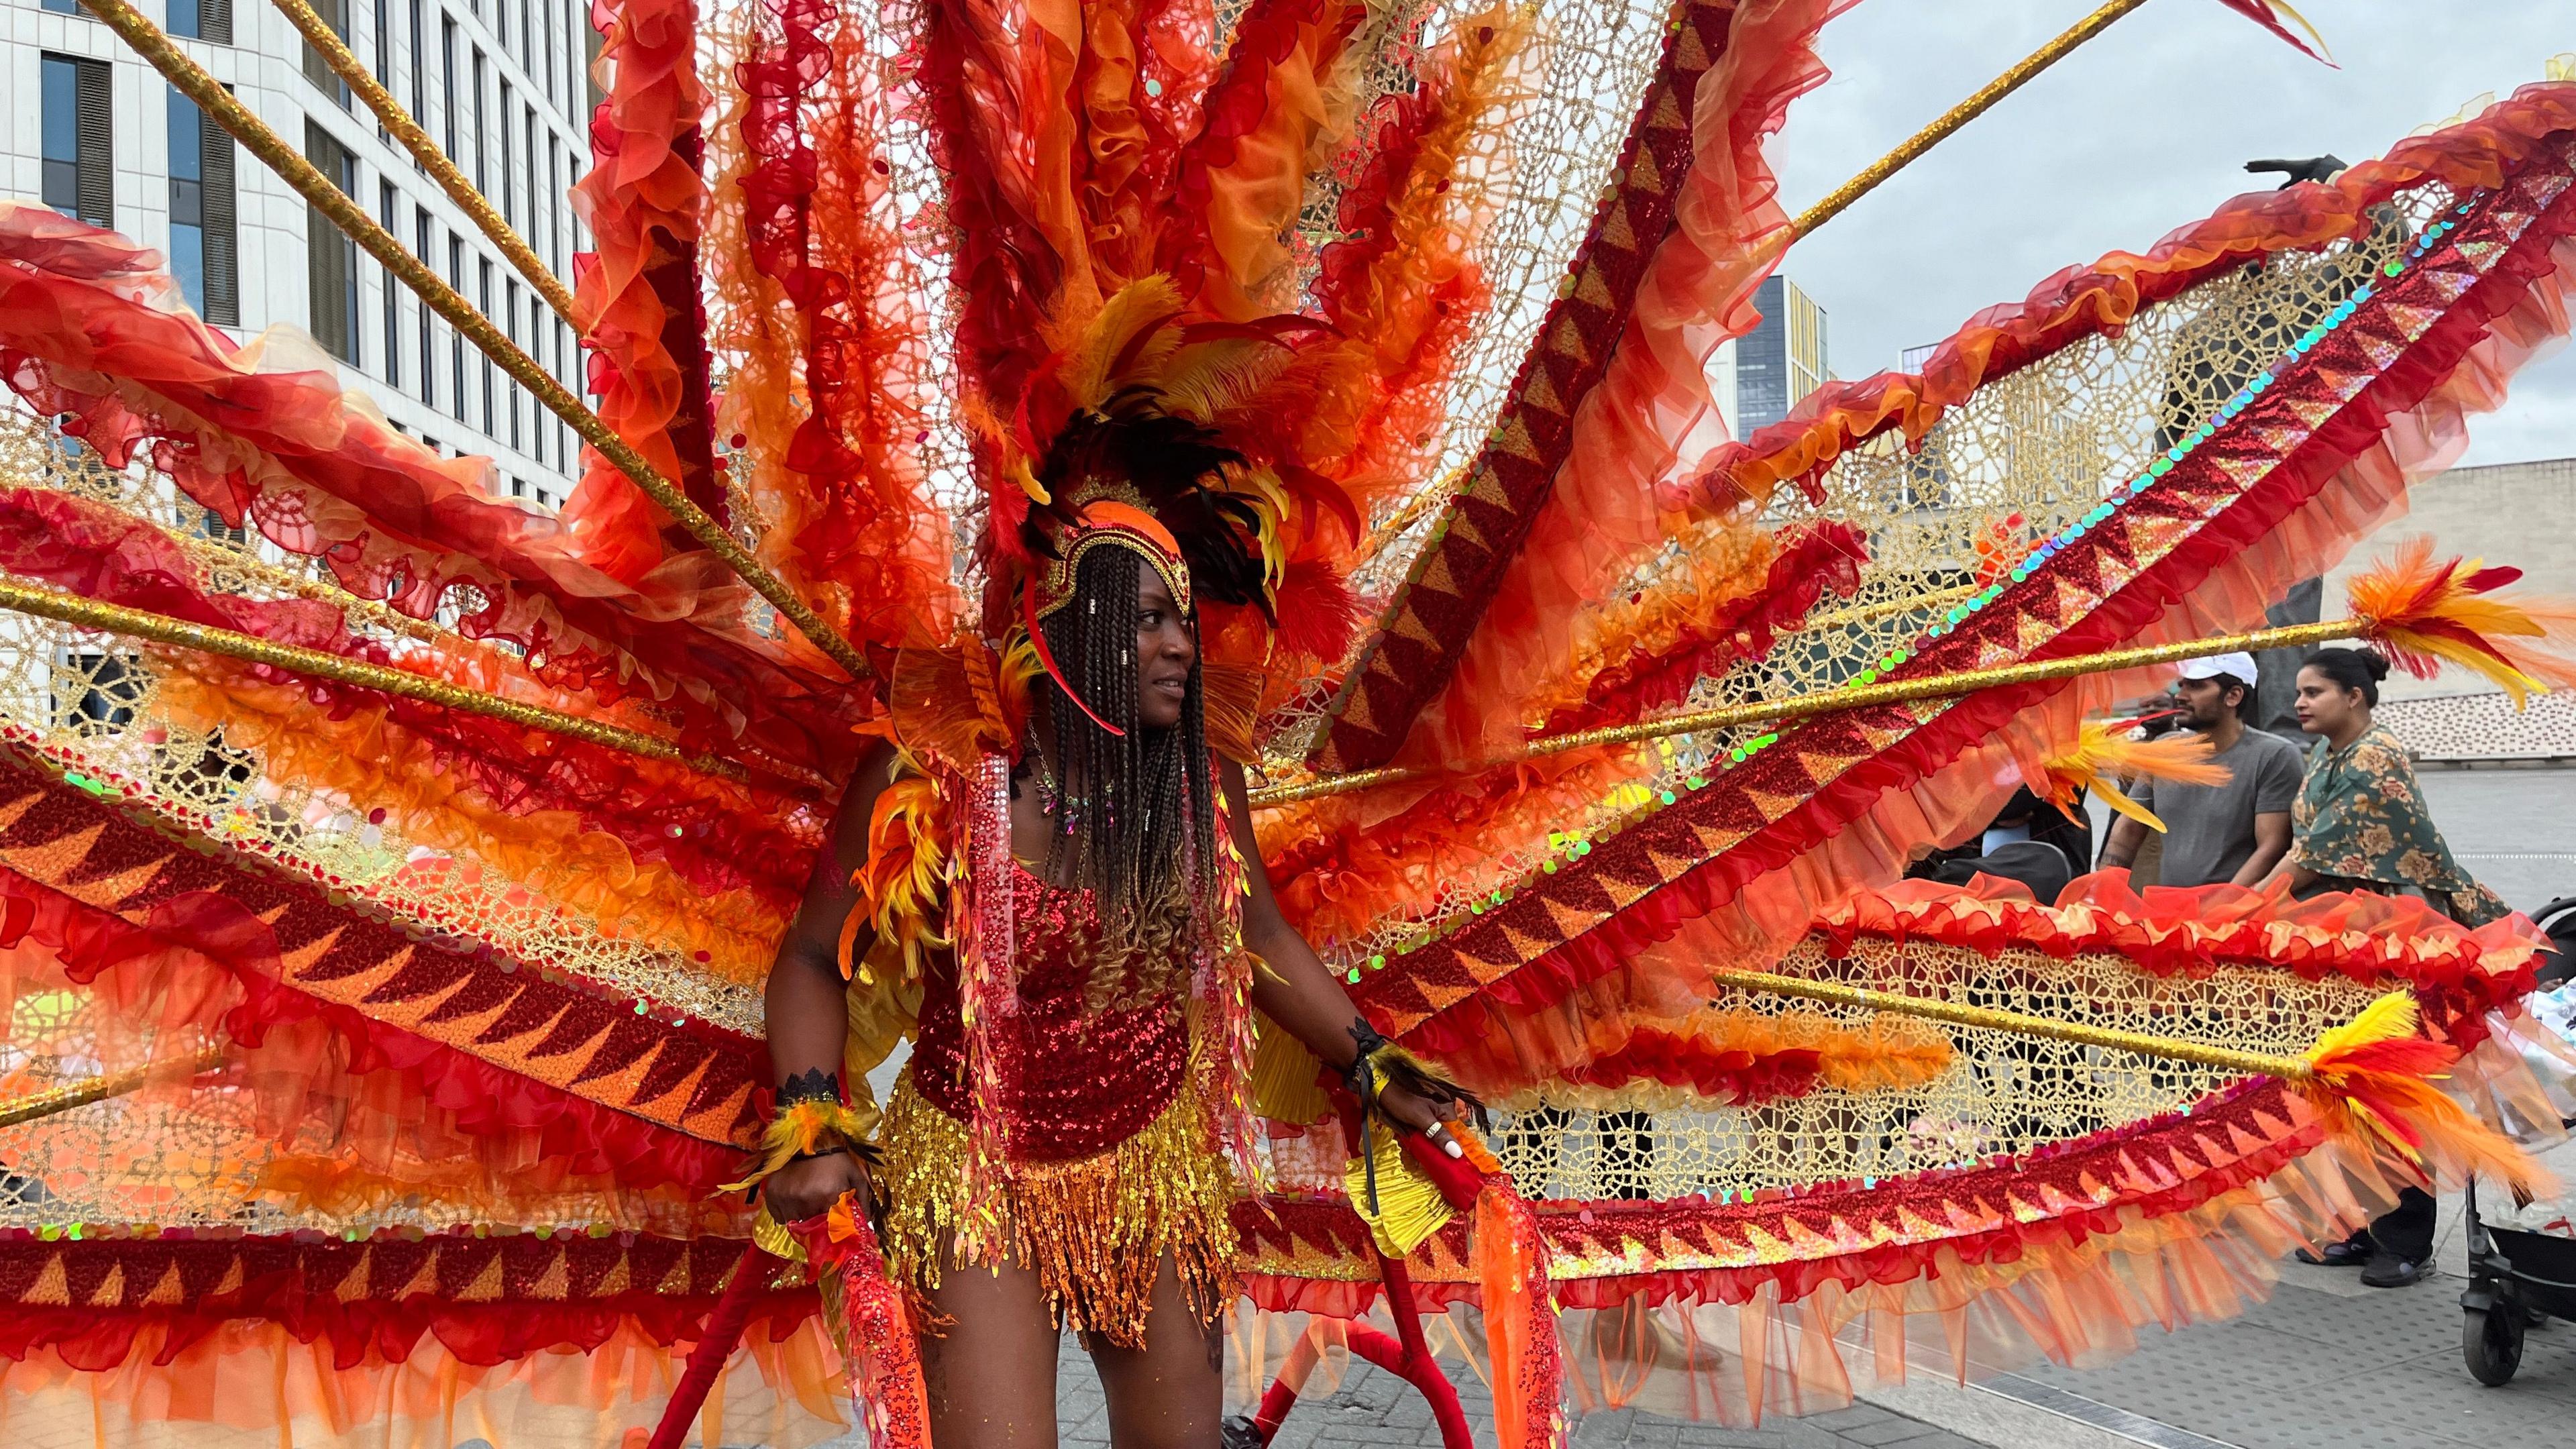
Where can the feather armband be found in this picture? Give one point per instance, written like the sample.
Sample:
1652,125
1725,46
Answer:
807,1128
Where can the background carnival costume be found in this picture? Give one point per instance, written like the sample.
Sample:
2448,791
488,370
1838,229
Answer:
387,872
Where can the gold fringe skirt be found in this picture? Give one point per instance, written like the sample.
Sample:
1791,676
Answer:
1094,1231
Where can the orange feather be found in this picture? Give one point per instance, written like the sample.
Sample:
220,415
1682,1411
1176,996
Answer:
2422,613
2372,1081
2103,754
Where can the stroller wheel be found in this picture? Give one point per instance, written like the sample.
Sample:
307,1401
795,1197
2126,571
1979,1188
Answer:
2491,1343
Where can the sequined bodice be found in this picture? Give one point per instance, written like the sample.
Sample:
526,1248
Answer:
1097,1051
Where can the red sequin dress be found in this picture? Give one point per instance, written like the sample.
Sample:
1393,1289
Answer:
1111,1163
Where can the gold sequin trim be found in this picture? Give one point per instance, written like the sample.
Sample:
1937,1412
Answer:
1094,1231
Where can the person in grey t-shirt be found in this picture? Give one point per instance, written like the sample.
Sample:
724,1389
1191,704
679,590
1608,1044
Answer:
2234,832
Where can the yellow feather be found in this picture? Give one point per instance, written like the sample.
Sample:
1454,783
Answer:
2386,1019
1090,348
2103,753
2111,796
1283,1077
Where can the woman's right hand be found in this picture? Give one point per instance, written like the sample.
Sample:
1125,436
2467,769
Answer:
806,1189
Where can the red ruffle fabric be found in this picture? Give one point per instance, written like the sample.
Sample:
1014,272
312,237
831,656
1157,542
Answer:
718,837
1846,1234
2458,975
535,1127
372,1301
287,452
1601,515
2084,301
855,531
1812,559
638,292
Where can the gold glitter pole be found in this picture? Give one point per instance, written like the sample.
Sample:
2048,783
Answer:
192,81
84,613
2225,1059
1835,701
36,1106
399,125
1959,115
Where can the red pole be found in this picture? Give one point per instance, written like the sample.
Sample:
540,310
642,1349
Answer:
1415,1363
715,1345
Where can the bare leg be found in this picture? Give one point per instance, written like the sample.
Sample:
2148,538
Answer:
1170,1393
991,1371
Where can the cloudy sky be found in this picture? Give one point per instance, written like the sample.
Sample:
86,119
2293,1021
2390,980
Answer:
2145,128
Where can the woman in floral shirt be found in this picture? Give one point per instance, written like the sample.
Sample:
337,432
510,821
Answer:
2360,822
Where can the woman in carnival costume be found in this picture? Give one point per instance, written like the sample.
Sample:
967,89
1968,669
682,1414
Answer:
1046,873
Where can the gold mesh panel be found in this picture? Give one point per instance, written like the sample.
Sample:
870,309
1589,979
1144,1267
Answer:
2003,1094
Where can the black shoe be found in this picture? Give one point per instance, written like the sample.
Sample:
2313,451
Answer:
2387,1270
1239,1432
2346,1254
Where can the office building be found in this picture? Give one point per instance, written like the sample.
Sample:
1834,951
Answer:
502,85
1760,376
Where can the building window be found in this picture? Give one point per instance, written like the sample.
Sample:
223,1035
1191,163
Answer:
331,259
335,15
537,205
552,64
509,171
384,52
428,331
510,324
210,20
419,73
204,242
79,139
456,339
447,81
482,126
386,216
552,210
483,300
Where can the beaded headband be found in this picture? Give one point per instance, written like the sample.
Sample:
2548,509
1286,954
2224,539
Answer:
1112,521
1116,523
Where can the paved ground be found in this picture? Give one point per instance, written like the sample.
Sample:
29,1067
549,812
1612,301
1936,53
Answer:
1375,1408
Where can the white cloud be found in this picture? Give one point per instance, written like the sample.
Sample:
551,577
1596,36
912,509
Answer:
2144,129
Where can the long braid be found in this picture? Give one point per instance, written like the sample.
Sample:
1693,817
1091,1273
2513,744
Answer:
1141,814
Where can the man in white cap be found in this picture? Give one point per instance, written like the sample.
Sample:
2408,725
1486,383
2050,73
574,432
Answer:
2234,832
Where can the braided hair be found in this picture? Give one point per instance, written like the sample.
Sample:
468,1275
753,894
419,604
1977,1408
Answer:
1137,821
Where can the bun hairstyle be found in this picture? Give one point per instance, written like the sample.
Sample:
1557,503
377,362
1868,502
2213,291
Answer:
2360,669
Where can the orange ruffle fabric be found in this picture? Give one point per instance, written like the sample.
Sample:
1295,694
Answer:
1404,282
267,438
642,198
806,275
1603,516
251,1383
332,1126
358,753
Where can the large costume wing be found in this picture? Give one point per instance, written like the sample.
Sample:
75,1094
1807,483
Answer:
374,1060
2149,448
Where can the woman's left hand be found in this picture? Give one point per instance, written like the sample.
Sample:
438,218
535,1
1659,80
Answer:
1429,1116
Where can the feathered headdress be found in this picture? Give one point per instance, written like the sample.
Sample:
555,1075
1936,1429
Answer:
1169,435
